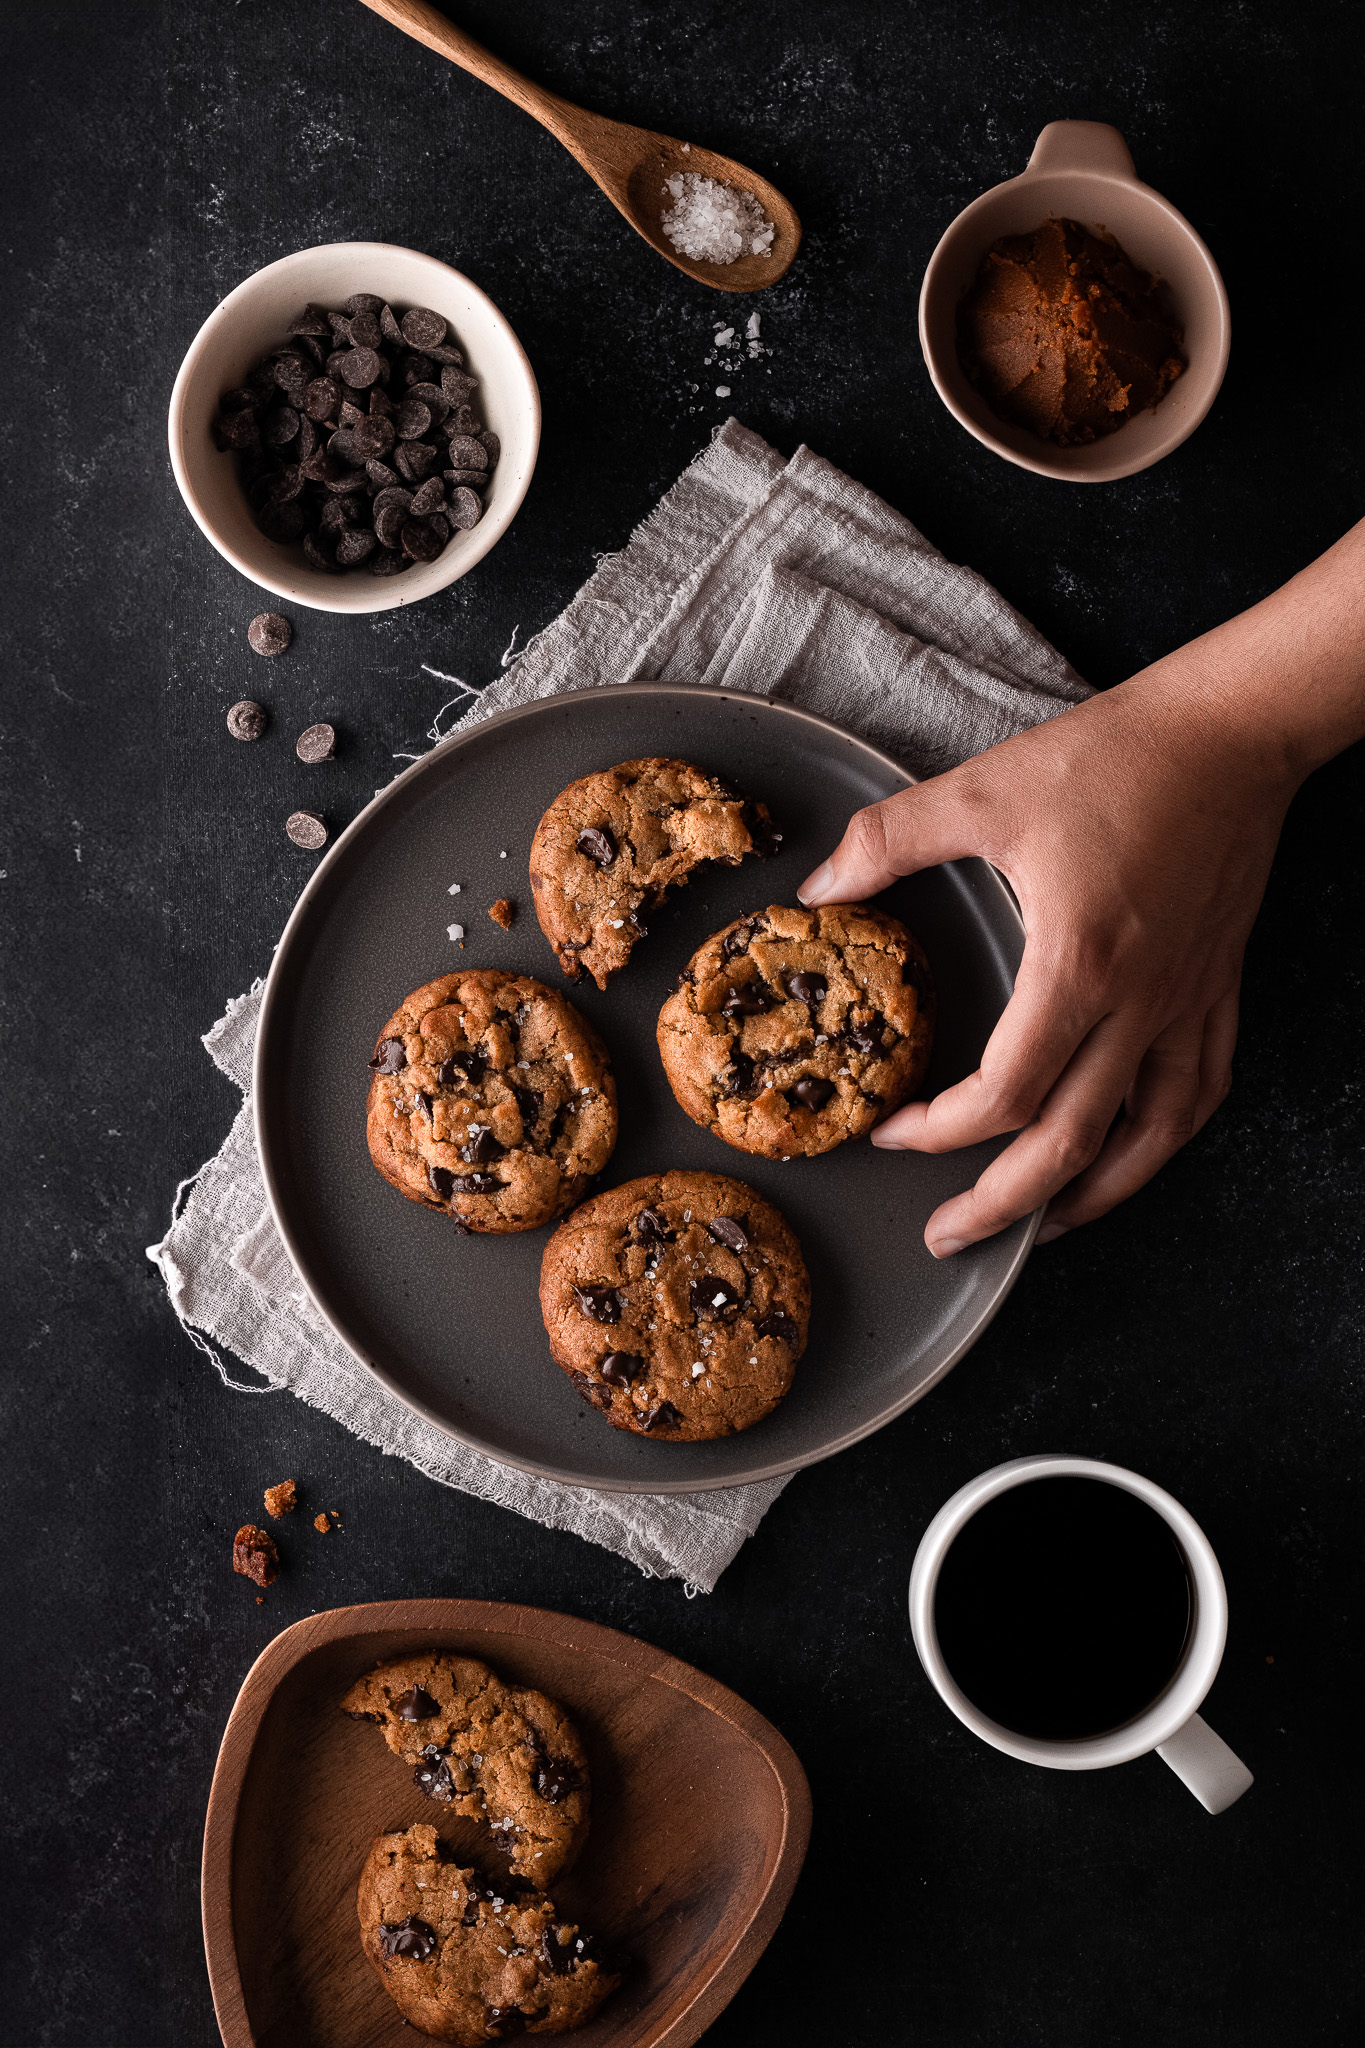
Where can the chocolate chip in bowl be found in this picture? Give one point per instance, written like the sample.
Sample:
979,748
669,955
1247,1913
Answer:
354,427
1076,236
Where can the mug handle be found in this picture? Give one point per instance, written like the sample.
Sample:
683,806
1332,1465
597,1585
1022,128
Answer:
1091,146
1203,1762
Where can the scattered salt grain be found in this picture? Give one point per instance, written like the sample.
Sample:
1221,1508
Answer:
724,334
503,854
616,923
454,931
697,1368
712,222
754,328
722,391
453,890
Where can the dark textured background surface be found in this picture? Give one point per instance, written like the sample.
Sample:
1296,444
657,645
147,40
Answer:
1209,1333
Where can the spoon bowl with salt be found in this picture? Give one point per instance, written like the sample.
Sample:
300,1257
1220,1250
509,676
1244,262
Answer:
706,214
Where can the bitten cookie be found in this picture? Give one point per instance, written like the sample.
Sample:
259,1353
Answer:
490,1751
677,1304
492,1099
464,1962
792,1030
611,846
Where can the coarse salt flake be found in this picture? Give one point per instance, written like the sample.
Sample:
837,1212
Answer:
454,931
722,391
454,889
712,222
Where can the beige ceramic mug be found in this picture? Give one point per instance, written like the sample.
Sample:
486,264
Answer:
1171,1725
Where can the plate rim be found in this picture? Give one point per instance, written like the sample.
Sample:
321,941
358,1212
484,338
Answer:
423,1615
267,1024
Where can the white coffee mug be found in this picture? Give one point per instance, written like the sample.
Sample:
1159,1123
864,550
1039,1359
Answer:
1170,1725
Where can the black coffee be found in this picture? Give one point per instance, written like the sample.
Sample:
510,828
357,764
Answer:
1063,1607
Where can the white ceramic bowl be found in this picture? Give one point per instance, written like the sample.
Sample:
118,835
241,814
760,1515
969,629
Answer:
1081,170
256,316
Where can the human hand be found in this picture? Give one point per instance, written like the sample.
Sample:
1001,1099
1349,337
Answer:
1137,832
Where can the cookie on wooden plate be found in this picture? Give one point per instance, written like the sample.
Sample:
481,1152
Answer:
493,1752
792,1030
491,1099
464,1962
613,844
678,1304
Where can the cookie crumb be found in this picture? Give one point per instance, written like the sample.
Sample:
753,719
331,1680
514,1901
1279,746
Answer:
322,1523
281,1500
260,1599
254,1555
502,912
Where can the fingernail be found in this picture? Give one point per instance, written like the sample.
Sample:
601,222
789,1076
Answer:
818,884
884,1143
1048,1232
944,1247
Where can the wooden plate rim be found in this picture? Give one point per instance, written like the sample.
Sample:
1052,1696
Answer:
677,2029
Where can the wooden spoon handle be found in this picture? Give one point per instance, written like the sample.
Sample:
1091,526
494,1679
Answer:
568,124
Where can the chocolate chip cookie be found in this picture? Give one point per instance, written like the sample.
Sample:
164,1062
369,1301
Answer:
792,1030
490,1751
491,1099
610,848
677,1304
464,1961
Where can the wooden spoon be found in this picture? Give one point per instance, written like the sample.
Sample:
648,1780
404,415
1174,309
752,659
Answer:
630,164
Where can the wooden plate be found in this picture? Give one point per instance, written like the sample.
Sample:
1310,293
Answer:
701,1815
452,1324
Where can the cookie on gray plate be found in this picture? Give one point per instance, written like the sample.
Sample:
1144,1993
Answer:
462,1960
793,1030
612,845
492,1752
678,1304
491,1099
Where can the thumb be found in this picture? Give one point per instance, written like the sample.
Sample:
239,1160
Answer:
916,828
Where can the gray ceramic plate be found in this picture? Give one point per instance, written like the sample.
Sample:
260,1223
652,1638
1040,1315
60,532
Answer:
452,1323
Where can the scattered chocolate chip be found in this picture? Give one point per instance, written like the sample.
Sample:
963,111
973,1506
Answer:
505,2020
461,1066
557,1949
751,999
254,1555
247,721
590,1390
316,743
390,1056
424,1104
728,1231
599,1304
428,498
467,452
355,547
737,941
808,988
433,1777
269,632
665,1416
811,1091
652,1229
781,1328
595,843
555,1780
474,1184
864,1038
306,829
417,1705
480,1146
619,1368
441,1181
712,1296
410,1937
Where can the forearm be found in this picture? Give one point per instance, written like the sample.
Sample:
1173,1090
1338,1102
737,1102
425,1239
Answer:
1284,681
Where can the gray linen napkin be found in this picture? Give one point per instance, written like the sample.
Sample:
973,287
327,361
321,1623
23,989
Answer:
785,579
